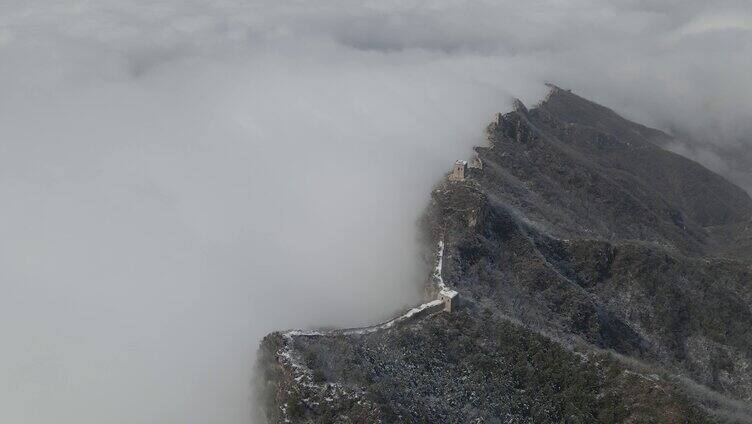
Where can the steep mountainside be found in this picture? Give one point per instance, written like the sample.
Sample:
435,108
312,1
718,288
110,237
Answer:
600,277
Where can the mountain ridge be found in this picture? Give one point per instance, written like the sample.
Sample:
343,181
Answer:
579,229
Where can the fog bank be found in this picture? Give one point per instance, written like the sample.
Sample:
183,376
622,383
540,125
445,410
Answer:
181,177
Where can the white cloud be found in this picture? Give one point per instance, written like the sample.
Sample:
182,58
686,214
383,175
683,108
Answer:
181,177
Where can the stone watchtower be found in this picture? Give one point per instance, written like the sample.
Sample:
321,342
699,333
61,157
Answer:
459,171
449,297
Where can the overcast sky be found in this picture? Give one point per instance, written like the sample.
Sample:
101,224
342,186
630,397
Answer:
179,178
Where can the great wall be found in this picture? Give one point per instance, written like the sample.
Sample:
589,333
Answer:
446,299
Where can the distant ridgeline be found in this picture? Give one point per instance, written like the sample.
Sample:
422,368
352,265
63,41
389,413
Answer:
595,277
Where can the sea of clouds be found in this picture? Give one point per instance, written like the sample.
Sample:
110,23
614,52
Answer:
179,178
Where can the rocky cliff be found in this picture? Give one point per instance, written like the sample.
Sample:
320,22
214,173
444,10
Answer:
602,279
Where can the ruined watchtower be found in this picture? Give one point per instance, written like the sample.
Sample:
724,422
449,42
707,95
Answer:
476,163
459,171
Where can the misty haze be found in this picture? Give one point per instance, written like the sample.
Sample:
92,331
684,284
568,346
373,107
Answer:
252,211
